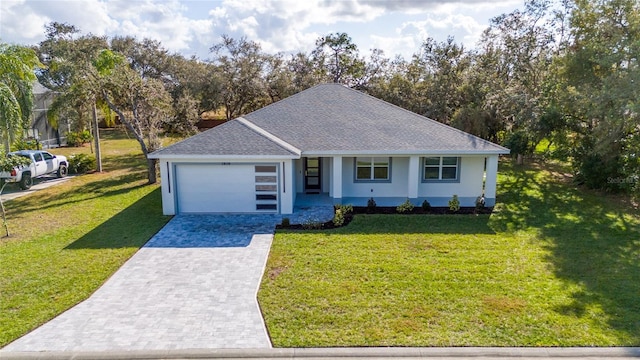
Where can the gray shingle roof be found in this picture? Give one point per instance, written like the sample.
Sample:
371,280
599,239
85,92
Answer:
231,138
332,117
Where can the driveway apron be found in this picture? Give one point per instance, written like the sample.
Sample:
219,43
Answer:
192,286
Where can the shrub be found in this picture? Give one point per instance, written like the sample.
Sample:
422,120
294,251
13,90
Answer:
346,209
81,163
405,207
454,204
8,162
371,205
311,225
286,223
341,214
78,138
26,144
426,206
338,217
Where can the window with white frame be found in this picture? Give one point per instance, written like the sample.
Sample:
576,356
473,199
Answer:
445,168
373,168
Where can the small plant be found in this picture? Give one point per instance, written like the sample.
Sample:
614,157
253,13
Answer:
78,138
338,217
405,207
371,205
341,214
81,163
311,224
346,209
426,206
286,223
454,204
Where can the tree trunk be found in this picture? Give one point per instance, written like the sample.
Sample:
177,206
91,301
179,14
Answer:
150,162
96,137
520,159
4,213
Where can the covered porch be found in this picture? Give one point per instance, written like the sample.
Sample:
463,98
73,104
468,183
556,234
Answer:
390,180
312,208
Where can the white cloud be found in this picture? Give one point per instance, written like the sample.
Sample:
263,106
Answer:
286,25
25,21
193,26
405,46
465,25
20,26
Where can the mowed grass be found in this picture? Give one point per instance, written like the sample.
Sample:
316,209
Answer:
68,239
552,266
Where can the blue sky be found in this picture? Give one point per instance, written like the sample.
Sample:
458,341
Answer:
191,27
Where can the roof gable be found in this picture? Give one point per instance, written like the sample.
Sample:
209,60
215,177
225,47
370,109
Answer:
232,138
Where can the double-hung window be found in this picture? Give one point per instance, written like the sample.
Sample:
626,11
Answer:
373,169
442,168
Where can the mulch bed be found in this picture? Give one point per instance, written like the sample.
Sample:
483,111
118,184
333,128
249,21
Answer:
387,210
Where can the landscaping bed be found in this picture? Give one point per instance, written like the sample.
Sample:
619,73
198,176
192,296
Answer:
354,210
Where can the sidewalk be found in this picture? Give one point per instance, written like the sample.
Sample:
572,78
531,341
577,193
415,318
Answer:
619,353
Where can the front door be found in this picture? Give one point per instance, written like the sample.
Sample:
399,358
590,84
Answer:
312,174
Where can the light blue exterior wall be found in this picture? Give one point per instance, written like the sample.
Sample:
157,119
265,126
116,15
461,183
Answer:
468,187
397,187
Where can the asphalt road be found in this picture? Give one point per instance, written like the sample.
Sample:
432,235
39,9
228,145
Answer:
13,191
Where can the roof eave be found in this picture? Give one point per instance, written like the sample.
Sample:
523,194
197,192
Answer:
219,157
403,152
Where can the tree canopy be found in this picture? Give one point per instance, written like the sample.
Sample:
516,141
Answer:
17,66
563,73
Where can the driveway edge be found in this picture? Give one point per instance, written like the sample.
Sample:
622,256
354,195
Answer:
335,353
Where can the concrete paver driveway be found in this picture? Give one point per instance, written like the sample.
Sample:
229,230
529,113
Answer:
192,286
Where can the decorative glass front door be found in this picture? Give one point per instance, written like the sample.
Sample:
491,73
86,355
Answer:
312,174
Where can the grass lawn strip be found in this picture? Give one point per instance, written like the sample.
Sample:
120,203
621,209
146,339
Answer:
68,239
553,266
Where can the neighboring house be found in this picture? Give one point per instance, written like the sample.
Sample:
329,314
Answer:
40,128
332,141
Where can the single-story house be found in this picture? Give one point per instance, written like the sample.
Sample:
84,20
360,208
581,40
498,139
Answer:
327,142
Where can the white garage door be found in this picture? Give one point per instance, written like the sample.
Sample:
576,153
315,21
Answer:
234,188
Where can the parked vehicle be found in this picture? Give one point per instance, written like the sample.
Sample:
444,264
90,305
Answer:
41,163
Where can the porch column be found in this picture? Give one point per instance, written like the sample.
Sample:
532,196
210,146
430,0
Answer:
491,180
414,177
288,187
336,178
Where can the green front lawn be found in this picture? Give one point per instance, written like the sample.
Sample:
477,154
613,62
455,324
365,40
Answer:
68,239
552,266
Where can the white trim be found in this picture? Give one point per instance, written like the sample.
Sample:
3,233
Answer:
269,136
355,153
372,167
170,157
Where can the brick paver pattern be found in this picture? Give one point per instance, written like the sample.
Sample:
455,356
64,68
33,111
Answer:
192,286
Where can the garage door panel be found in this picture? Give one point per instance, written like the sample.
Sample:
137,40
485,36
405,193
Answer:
209,188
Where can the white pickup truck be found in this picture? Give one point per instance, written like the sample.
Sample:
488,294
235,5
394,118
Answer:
42,163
